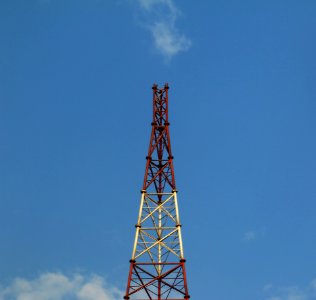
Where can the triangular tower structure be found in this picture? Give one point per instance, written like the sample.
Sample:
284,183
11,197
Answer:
157,267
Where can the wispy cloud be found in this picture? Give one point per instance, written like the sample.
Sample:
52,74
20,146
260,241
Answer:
57,286
159,17
292,292
250,235
313,284
267,287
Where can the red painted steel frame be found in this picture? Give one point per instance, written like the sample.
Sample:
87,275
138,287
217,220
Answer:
159,178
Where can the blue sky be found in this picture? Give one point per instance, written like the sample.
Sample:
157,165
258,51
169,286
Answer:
75,97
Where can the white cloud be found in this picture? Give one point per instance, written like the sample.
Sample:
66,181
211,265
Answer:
168,40
250,235
292,292
149,4
160,18
57,286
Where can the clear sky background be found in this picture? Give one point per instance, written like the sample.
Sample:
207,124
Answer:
75,113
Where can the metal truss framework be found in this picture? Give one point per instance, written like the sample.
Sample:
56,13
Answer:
157,268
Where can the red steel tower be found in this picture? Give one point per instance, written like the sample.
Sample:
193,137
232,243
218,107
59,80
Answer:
157,268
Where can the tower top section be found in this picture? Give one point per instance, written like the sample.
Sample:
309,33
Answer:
160,104
159,174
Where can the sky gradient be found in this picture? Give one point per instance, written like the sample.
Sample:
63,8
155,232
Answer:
75,113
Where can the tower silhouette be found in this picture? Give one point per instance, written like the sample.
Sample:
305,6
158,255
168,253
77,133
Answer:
157,267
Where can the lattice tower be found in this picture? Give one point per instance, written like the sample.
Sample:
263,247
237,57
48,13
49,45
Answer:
157,267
